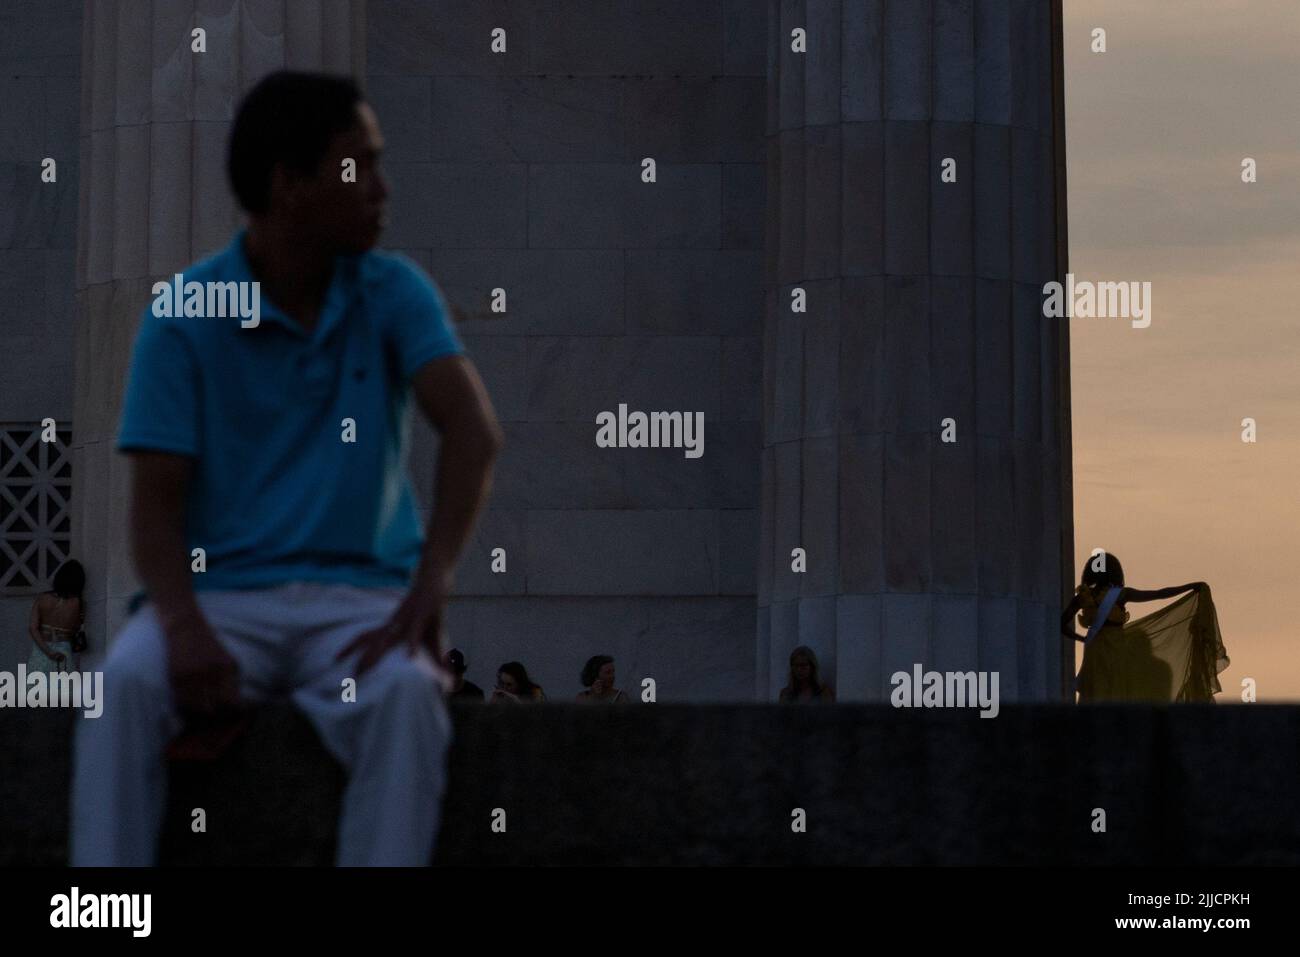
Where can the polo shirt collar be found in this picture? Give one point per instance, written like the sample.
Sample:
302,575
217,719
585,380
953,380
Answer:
334,306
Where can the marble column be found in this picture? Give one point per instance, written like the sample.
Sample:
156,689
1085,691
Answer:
923,304
154,198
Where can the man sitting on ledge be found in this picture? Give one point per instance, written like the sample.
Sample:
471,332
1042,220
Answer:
272,525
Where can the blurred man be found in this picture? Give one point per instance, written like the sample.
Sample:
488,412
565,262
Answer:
272,441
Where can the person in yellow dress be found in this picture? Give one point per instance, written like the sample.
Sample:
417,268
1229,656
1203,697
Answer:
1173,654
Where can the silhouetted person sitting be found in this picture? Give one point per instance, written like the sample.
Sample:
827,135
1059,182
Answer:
515,687
804,683
1174,654
272,439
598,678
460,690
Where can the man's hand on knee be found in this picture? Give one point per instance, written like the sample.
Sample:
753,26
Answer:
416,624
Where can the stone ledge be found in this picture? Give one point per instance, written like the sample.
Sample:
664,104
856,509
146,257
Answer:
715,784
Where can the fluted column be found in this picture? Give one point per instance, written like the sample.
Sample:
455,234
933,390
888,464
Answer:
154,119
923,304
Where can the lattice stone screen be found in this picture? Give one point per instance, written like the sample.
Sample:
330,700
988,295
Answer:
35,491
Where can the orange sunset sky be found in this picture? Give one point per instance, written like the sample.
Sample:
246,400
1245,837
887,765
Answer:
1156,131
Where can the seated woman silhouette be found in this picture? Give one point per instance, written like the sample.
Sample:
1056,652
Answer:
805,683
515,687
1173,654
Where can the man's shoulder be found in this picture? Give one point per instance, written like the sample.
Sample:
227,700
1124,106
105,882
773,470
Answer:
407,305
388,275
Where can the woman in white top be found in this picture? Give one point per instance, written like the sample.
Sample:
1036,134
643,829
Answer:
57,616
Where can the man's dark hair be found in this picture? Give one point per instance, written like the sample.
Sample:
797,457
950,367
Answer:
288,118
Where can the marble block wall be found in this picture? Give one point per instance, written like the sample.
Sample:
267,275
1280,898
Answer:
519,170
522,170
40,68
923,304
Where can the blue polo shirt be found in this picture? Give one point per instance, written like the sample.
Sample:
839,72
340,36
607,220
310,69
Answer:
277,493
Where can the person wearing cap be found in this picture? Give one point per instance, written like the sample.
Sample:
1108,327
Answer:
461,688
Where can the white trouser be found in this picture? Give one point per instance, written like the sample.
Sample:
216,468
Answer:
392,739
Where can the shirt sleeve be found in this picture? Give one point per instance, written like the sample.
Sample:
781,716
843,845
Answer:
160,411
419,321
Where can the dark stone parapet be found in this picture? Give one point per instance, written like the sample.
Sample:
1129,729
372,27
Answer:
717,784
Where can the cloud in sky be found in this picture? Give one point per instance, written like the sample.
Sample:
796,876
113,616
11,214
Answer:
1156,130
